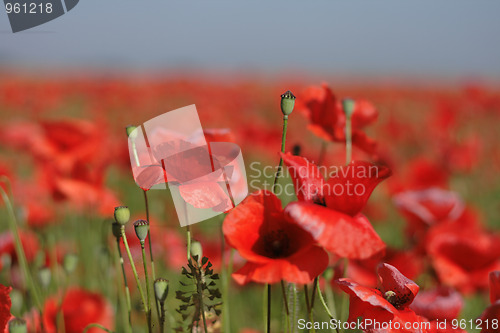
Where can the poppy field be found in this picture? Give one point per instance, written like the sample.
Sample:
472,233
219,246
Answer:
371,207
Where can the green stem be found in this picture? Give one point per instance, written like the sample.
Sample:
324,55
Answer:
89,326
308,306
148,289
226,273
23,263
134,270
285,300
268,317
283,141
322,152
348,140
294,305
127,291
188,236
325,306
162,317
153,271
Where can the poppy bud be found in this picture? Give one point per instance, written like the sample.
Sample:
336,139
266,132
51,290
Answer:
287,102
70,261
348,107
17,325
44,275
130,131
122,214
141,229
196,250
161,289
116,228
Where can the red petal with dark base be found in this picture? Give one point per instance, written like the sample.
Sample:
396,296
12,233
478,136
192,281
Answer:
300,268
393,280
350,188
338,233
306,176
494,286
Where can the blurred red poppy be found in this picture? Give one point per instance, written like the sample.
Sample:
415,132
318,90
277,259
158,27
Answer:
29,242
79,308
463,254
327,119
442,303
492,312
275,248
4,306
330,210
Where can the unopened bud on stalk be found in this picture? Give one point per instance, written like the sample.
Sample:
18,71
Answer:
196,250
116,228
287,102
17,325
141,229
70,261
44,276
348,107
122,214
161,289
131,133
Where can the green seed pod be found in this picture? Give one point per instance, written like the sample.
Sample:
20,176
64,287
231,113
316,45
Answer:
17,325
287,102
131,133
122,214
44,276
196,250
348,107
141,229
70,261
116,228
161,289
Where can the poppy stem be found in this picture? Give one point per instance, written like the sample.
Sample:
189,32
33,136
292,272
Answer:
283,141
134,270
153,272
148,288
325,306
308,306
127,291
23,262
285,300
268,325
315,287
89,326
322,152
188,239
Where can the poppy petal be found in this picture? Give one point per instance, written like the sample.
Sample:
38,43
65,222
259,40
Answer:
338,233
5,304
349,189
393,280
306,176
494,286
301,268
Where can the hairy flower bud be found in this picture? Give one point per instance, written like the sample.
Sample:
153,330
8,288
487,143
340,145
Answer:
196,250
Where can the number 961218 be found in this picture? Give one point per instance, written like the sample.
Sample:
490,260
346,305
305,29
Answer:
28,8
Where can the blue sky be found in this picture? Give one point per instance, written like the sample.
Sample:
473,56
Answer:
452,38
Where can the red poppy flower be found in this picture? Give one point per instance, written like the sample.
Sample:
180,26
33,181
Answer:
330,210
493,311
424,208
463,254
388,303
4,306
275,248
327,119
79,308
442,303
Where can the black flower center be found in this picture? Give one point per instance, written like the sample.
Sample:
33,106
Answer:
398,301
276,244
